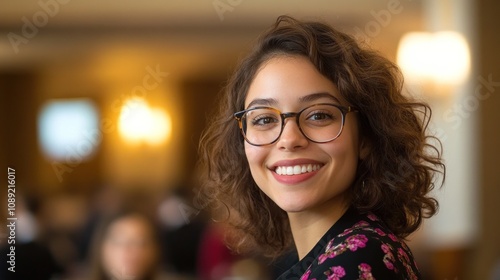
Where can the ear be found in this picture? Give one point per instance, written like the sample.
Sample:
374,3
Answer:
365,148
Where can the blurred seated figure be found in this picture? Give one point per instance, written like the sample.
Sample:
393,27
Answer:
126,247
181,233
32,258
215,258
194,247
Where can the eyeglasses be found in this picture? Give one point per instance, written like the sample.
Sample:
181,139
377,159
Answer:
319,123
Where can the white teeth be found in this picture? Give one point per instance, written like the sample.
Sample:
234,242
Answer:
297,169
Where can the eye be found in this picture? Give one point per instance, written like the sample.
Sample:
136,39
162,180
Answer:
264,120
320,116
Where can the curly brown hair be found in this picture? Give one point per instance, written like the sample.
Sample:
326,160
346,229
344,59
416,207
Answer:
393,181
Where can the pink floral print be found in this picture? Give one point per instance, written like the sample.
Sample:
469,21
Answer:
335,273
356,241
389,259
306,275
365,250
352,243
365,272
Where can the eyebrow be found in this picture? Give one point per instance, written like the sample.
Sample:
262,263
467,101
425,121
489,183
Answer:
318,95
270,102
263,102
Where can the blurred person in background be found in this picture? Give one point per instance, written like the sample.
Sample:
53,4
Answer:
126,246
33,258
103,203
194,247
317,153
180,233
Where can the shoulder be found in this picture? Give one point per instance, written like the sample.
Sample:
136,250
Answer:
367,250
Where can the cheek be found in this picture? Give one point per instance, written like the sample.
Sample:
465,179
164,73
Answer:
109,256
255,156
345,151
346,157
346,148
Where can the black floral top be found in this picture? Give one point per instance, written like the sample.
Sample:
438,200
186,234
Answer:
357,246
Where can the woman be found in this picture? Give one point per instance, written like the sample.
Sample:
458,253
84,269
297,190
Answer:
126,247
314,145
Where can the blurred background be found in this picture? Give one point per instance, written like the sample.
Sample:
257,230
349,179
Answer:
102,104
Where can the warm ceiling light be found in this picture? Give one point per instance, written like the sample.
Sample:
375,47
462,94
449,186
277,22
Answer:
441,57
161,127
140,123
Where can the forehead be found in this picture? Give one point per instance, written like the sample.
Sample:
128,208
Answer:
126,225
288,80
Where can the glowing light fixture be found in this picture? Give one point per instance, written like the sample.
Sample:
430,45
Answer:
441,57
66,129
138,122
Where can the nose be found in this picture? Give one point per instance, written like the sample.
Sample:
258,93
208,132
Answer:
291,138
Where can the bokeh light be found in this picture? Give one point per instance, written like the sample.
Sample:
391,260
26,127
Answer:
138,122
65,129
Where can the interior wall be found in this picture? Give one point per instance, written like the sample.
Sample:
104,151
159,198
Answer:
200,99
488,83
17,110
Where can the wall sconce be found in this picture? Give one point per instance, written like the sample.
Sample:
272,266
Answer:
138,122
441,58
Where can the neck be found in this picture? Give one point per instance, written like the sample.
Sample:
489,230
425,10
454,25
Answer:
309,226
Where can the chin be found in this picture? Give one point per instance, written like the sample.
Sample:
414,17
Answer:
294,206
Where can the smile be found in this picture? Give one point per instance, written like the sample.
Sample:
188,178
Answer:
296,169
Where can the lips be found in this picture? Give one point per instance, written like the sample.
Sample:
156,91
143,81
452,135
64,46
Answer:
295,171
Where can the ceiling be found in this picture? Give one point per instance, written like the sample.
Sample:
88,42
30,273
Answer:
178,12
208,34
